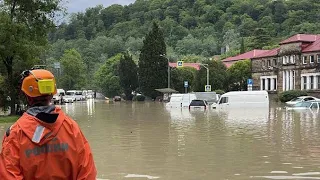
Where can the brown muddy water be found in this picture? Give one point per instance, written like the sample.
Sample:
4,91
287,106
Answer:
148,141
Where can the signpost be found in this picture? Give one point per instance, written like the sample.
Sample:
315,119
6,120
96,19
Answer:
179,64
250,84
186,85
208,88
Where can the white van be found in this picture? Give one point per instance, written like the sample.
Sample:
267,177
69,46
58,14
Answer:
243,99
71,95
180,100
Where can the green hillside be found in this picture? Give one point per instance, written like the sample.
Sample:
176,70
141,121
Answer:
191,27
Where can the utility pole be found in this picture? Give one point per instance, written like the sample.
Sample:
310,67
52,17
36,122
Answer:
206,66
163,55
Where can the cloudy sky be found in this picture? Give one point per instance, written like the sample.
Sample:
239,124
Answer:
81,5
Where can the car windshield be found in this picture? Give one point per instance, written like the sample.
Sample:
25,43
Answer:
303,104
70,93
197,103
296,99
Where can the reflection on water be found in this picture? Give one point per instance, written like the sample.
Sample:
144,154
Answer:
148,141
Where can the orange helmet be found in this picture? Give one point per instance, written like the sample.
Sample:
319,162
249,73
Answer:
38,82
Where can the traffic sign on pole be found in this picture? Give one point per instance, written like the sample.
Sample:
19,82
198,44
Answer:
208,88
180,64
186,84
250,82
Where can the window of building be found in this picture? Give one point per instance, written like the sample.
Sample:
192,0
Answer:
312,59
318,77
284,61
275,63
304,60
268,62
275,84
292,59
263,84
269,84
318,58
311,82
304,82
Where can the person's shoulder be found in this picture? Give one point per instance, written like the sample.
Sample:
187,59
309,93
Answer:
71,125
14,128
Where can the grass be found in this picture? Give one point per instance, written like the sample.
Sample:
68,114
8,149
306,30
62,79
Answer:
8,119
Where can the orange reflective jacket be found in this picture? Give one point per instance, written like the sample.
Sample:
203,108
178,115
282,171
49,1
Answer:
34,149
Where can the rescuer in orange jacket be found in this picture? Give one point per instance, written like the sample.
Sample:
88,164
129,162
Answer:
44,143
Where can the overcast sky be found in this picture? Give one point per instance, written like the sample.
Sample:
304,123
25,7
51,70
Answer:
81,5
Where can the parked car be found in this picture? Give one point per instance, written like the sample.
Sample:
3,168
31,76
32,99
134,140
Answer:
301,99
306,105
198,105
58,98
70,95
117,98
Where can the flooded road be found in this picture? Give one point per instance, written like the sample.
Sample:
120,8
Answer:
148,141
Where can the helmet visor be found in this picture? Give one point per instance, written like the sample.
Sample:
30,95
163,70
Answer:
46,86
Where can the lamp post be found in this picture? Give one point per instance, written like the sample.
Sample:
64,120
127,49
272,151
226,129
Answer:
206,66
163,55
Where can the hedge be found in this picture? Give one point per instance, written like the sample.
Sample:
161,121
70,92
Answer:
288,95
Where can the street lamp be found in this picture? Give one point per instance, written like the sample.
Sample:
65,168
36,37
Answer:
206,66
163,55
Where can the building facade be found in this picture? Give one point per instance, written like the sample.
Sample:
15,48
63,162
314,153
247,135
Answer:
295,65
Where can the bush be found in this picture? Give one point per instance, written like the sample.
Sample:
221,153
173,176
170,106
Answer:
288,95
219,91
139,98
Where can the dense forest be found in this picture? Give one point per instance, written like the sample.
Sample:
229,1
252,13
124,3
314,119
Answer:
194,30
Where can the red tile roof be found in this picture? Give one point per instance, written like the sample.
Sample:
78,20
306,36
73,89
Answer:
193,65
313,47
270,53
229,64
301,38
247,55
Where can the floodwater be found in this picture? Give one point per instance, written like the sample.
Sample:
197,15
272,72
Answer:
148,141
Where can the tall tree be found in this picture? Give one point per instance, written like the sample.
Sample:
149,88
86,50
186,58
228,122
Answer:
24,27
153,66
73,68
242,47
106,78
238,74
128,74
262,38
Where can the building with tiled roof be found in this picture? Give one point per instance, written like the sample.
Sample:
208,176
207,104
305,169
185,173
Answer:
193,65
248,55
295,65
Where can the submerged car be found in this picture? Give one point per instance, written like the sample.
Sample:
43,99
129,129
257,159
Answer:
306,105
301,99
198,105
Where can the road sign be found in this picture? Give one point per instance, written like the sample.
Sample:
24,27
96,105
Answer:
180,64
250,82
56,65
208,88
186,84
